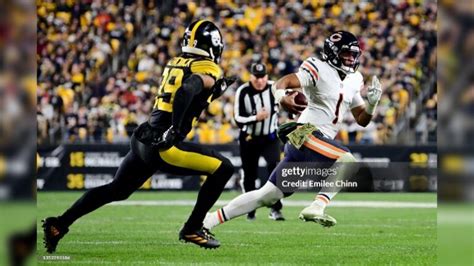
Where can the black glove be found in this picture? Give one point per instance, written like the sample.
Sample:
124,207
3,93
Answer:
221,85
169,138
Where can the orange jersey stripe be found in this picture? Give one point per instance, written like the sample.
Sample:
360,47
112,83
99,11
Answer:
315,73
320,151
327,145
324,149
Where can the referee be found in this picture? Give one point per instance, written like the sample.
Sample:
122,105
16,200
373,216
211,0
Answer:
255,112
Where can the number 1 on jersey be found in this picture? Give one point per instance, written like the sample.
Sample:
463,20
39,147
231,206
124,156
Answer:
338,105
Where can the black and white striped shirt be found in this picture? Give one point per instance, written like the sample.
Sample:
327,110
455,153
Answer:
248,101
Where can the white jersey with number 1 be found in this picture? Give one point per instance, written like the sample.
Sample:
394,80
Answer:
329,97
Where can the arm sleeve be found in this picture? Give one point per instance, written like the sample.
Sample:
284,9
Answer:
191,87
308,73
240,115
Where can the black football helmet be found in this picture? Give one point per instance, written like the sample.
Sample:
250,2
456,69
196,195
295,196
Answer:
338,42
203,38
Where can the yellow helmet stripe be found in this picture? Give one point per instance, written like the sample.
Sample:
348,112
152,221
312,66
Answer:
193,32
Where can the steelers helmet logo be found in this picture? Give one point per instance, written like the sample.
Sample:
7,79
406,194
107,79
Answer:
216,38
259,67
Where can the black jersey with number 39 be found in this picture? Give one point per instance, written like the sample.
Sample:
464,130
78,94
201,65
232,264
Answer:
175,73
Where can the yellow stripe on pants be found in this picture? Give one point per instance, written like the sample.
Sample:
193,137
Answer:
190,160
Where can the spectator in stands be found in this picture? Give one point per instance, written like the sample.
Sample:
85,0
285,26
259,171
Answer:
113,51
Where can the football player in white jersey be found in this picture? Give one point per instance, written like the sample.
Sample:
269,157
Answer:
332,86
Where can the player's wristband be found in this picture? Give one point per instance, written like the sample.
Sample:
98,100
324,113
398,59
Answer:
370,109
278,94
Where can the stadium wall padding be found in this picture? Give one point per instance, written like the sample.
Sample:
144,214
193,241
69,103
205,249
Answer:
84,166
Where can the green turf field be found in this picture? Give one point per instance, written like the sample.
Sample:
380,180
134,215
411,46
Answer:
15,217
147,235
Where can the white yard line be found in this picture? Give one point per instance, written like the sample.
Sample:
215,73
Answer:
295,203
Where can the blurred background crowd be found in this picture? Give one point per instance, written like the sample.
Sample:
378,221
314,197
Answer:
99,62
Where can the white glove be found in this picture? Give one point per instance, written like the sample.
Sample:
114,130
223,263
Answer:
374,93
278,94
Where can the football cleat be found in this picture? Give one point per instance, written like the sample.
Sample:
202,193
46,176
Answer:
316,214
251,217
203,238
53,232
276,215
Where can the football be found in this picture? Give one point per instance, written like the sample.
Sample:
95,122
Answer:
301,99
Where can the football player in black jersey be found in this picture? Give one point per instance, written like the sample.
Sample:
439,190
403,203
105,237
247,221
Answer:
190,82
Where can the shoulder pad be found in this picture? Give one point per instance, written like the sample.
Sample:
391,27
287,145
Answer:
206,67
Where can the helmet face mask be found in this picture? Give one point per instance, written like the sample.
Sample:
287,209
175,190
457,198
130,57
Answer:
203,38
342,51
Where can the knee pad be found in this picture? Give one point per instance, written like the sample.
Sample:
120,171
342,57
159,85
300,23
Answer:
269,194
349,163
347,158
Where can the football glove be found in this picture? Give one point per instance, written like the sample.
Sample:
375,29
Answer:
221,85
169,138
374,91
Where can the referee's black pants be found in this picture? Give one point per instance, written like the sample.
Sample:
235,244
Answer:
251,149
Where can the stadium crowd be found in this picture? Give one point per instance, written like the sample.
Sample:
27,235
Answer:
79,100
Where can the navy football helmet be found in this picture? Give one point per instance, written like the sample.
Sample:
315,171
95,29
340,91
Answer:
342,43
